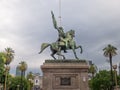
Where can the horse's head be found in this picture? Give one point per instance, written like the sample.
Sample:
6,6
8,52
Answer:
72,33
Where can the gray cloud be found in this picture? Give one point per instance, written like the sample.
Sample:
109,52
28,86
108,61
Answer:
25,25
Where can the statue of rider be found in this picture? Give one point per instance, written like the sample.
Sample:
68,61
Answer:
60,30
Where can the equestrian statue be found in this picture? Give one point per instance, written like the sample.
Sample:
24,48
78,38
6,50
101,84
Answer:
64,42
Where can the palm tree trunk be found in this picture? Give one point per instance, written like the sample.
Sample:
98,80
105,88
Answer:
5,80
110,57
24,73
21,87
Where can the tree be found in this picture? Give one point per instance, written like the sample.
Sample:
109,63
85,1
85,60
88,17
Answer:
93,69
9,56
30,75
109,52
101,81
16,82
23,68
118,80
30,78
2,76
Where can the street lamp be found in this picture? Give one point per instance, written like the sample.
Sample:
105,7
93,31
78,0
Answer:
1,87
115,67
31,83
18,87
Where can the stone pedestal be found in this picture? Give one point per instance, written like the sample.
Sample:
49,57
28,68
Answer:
65,75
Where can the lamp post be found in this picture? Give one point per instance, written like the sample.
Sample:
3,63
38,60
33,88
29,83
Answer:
18,87
115,67
1,87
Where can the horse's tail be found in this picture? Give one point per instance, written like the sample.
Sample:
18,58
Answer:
43,46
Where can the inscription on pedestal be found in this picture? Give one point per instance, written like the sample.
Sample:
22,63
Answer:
61,81
65,81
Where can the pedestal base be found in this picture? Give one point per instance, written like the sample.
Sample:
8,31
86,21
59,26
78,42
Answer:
65,75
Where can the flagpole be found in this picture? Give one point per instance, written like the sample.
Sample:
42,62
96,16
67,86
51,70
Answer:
59,57
60,13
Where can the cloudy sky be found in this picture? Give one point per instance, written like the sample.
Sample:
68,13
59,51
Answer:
26,24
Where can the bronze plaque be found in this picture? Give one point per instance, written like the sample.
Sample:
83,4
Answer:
68,81
65,81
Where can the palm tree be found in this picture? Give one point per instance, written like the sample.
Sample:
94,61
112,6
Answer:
93,69
30,75
23,68
109,52
9,56
2,58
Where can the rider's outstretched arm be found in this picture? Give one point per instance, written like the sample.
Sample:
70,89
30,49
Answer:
54,21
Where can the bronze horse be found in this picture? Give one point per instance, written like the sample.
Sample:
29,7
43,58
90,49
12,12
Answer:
66,44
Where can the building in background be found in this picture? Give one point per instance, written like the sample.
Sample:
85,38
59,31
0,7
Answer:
18,72
90,62
89,74
37,82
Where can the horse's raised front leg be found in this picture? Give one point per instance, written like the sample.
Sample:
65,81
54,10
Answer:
80,48
75,54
